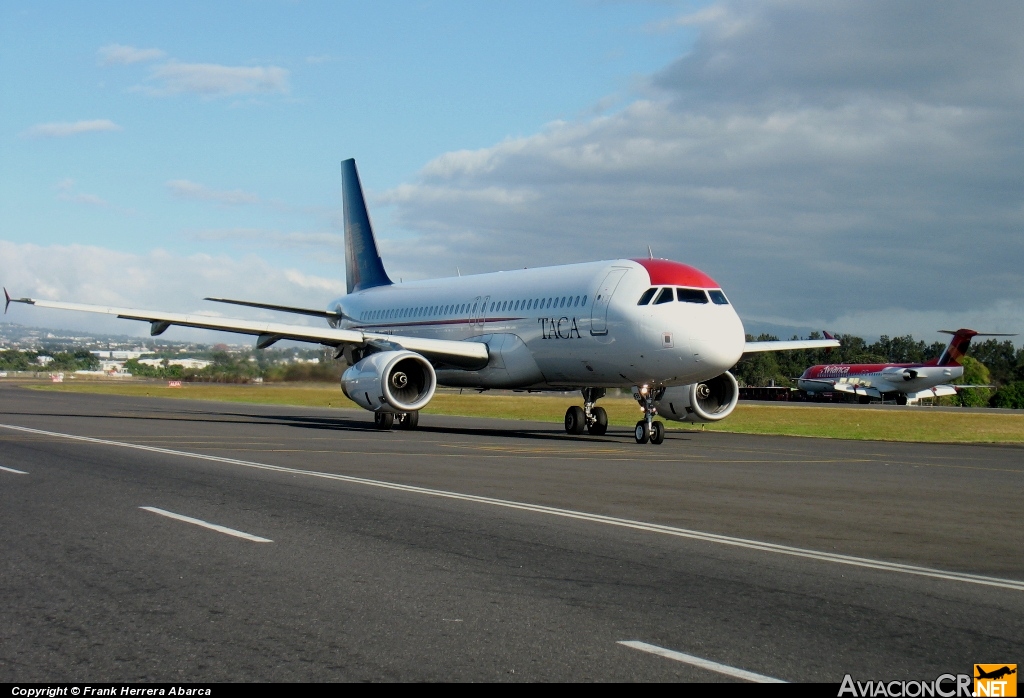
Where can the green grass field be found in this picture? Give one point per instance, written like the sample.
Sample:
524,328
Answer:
912,424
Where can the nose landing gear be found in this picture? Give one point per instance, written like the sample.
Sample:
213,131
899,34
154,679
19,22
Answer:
591,418
648,429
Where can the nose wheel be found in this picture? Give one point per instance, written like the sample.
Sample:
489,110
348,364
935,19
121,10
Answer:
648,429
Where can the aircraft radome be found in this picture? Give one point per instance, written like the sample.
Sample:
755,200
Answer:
664,329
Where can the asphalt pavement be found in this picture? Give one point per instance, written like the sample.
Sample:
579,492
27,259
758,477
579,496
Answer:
147,539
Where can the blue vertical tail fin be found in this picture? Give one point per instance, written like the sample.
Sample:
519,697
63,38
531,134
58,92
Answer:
363,266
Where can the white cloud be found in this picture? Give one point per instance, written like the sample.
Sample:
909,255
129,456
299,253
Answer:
153,280
117,54
88,199
272,238
70,128
820,161
184,189
66,192
212,80
719,18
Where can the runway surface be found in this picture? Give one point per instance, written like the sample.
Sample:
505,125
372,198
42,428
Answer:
167,540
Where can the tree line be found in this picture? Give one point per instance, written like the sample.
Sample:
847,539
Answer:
244,368
989,362
68,360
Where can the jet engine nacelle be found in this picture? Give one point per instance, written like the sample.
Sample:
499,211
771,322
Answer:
894,374
708,401
390,381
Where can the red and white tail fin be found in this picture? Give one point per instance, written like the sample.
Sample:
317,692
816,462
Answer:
958,346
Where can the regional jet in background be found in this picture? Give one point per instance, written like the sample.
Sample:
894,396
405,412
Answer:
664,329
903,382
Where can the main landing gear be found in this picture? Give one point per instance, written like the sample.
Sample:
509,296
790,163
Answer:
402,420
589,418
648,429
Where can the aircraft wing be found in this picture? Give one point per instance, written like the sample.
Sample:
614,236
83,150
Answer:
789,345
855,389
281,308
815,380
471,355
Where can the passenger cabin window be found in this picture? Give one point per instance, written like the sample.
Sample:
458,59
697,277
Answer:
666,296
691,295
718,298
646,298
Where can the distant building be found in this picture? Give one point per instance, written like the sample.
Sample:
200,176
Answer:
184,363
121,355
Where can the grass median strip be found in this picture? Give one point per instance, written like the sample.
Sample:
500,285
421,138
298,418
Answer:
915,424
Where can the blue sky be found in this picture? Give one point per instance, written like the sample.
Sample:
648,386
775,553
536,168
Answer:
849,166
392,84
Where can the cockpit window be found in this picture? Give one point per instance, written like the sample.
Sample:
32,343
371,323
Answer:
666,296
646,298
691,295
718,298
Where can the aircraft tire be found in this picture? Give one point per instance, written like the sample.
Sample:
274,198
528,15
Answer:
864,399
575,420
383,420
642,433
901,399
410,420
657,433
600,425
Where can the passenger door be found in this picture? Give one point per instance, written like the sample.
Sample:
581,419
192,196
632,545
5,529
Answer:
599,308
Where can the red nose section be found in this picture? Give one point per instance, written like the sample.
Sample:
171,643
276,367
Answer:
664,272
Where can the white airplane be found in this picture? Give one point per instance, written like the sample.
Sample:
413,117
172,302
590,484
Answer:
662,328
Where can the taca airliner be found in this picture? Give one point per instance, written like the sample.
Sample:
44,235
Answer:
664,329
904,382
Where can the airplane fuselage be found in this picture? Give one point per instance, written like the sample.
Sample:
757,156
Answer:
566,326
886,378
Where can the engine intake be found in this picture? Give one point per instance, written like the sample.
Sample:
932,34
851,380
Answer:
390,381
708,401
